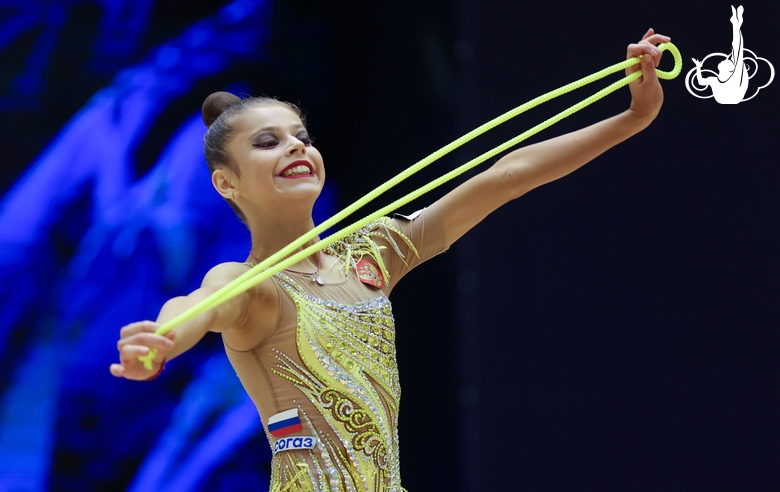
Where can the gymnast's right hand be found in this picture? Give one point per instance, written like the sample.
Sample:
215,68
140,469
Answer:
135,340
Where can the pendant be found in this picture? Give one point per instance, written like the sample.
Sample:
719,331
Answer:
317,278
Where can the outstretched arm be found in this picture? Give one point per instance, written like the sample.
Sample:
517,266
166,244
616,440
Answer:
234,316
528,167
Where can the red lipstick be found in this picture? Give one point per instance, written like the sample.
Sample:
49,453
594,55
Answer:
296,164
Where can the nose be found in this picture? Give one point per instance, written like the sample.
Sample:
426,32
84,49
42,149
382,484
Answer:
296,145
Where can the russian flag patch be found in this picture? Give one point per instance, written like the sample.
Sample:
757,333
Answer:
284,423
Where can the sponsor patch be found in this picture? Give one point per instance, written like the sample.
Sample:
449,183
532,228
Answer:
293,443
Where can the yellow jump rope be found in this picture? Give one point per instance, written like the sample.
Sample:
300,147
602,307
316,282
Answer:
281,260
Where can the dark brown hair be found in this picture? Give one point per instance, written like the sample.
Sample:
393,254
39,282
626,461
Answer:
219,112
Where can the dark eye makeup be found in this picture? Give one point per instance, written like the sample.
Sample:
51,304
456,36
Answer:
266,141
305,138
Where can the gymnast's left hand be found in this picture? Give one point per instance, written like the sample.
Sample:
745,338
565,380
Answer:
646,93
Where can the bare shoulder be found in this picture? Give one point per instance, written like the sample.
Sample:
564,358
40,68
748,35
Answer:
259,306
224,273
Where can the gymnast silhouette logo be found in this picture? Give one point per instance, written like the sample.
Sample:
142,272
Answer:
730,84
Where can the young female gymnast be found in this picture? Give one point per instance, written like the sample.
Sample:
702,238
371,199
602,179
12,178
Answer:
314,345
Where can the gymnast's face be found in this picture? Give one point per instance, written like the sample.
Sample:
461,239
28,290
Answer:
278,165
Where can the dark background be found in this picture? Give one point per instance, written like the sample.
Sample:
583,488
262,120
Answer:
615,330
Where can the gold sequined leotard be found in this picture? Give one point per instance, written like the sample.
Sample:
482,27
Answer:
331,360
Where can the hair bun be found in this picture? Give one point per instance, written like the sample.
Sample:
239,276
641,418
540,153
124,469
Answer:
216,104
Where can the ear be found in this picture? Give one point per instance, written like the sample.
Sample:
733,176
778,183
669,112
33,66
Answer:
224,181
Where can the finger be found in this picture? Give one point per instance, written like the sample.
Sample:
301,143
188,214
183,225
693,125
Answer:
649,33
147,340
130,353
648,68
656,39
635,50
117,370
657,55
138,327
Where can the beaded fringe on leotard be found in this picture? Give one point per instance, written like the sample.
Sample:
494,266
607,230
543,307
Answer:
360,243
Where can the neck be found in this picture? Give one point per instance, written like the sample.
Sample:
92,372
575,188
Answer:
271,235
